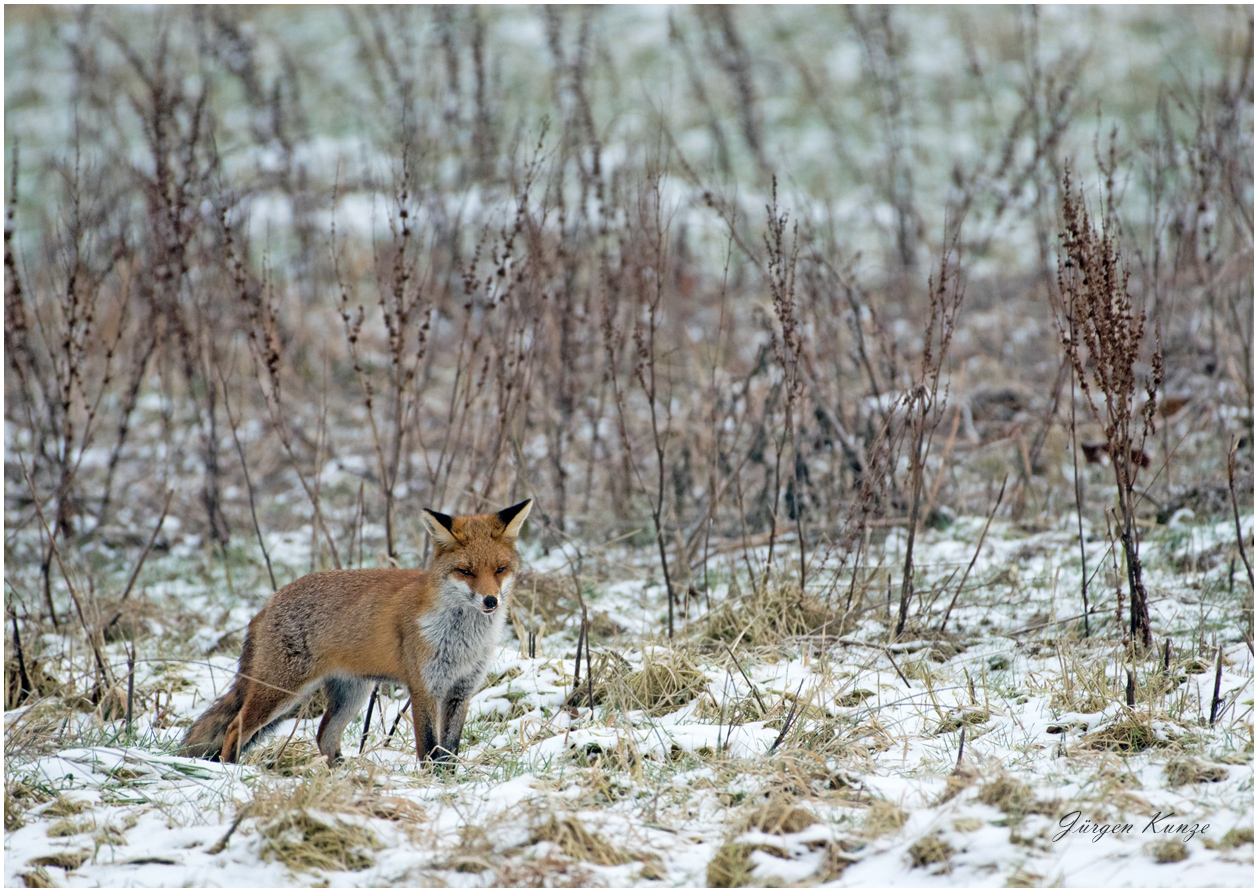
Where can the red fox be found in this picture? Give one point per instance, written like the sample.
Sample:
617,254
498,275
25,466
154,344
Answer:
434,631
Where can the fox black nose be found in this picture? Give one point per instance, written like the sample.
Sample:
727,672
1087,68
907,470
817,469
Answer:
490,602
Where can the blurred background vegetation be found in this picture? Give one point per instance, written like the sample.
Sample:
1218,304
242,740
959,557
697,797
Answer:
667,268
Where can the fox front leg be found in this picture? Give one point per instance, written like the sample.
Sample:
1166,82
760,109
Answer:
424,713
454,712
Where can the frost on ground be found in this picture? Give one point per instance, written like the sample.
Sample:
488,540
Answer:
763,751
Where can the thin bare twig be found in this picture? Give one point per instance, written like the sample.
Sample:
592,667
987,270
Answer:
1237,521
131,581
1219,672
739,666
791,718
996,505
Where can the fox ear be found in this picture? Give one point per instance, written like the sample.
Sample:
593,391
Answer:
439,528
514,518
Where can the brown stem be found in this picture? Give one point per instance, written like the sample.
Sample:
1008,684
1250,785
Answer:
249,485
1237,522
1219,672
147,547
24,681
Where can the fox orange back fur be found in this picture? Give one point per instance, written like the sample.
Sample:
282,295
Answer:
434,631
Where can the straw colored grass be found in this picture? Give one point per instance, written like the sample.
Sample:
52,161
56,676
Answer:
1013,797
730,866
579,843
779,813
770,615
306,841
63,806
669,679
1231,840
884,817
930,850
1166,851
318,823
38,879
68,828
551,870
69,861
1183,770
1132,734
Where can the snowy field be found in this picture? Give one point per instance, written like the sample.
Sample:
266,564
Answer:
1058,783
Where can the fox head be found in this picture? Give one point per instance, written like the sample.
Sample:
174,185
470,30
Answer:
474,556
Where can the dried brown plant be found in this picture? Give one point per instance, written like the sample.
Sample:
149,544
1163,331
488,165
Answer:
1103,333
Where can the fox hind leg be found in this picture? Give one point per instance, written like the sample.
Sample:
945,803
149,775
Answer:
262,704
346,696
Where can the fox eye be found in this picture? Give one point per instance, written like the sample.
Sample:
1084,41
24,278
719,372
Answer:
501,570
463,572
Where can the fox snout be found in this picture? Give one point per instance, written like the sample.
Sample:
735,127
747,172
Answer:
489,604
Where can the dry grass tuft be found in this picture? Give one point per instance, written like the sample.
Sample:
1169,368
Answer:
69,829
1169,851
1022,879
620,757
289,757
669,679
299,823
930,850
1237,837
552,870
38,879
63,806
472,854
397,809
803,774
834,861
44,683
23,790
38,729
578,843
854,697
548,598
769,616
1082,686
1128,735
954,785
970,717
12,813
884,817
1231,840
823,735
730,866
780,813
70,861
1007,794
304,841
1182,771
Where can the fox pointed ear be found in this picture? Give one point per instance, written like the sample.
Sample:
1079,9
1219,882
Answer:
514,518
439,527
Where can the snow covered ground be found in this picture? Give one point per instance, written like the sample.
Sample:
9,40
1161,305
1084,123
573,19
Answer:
1058,783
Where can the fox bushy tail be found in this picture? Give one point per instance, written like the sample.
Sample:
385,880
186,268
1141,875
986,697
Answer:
204,739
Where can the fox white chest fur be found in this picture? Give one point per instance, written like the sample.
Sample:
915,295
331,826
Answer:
463,639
